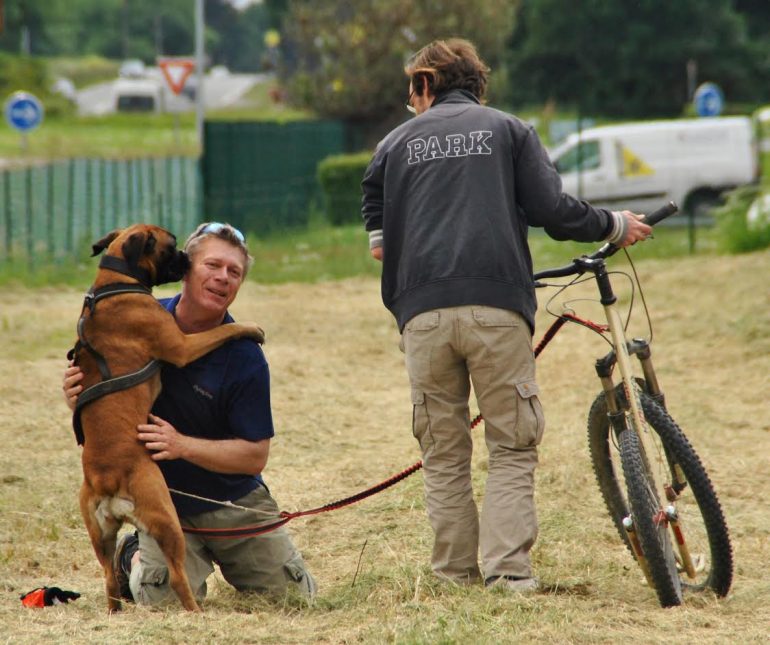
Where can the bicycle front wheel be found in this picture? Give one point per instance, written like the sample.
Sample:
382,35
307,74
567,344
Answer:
700,514
648,520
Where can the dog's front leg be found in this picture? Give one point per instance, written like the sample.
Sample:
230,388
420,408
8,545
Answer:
182,349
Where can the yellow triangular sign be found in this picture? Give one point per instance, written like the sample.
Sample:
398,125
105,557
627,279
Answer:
633,166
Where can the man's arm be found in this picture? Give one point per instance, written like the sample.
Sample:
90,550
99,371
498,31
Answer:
228,456
373,204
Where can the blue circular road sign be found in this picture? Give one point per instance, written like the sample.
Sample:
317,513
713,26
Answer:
23,111
708,100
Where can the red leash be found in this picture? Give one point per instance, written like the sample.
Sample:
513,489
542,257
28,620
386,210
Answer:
249,531
285,516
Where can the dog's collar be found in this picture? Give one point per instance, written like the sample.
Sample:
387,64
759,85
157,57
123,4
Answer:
121,266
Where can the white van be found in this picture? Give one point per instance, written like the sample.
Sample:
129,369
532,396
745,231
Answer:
640,166
138,95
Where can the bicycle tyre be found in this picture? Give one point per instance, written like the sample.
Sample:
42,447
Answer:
653,534
706,514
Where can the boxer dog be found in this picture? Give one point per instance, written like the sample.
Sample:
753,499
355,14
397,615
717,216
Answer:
123,333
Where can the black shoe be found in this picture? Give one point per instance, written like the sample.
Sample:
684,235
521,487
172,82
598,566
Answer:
121,564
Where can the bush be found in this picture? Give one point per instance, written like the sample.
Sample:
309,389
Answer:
30,74
744,220
340,178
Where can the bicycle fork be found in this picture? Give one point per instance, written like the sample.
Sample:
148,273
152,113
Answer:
620,418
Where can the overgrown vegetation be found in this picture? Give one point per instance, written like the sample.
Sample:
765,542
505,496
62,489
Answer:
744,220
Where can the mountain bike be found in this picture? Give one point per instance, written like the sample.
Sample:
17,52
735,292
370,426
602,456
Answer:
663,505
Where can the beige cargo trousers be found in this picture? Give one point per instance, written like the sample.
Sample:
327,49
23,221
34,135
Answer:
446,351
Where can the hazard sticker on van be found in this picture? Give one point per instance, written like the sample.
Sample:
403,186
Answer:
633,166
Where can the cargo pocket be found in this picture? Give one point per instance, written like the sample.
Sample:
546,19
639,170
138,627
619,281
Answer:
297,574
530,422
493,317
424,321
152,587
420,422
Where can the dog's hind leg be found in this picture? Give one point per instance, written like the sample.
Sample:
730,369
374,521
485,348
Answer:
160,520
103,530
172,543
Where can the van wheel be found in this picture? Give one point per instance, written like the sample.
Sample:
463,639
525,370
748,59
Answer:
700,205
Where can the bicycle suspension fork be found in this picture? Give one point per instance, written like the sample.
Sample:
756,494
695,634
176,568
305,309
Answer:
619,417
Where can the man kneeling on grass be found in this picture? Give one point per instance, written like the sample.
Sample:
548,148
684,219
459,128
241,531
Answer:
210,432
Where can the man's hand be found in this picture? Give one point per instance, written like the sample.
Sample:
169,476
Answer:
162,439
636,229
71,385
377,253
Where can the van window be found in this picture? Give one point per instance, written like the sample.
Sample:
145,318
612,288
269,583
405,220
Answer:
584,156
135,103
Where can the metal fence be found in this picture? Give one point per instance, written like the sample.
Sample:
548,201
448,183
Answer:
54,210
261,176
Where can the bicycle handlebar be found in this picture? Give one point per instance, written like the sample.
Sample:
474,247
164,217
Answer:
605,251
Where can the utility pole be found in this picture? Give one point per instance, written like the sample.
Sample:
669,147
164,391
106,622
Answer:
199,62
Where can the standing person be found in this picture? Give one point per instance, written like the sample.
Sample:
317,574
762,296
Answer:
448,198
210,432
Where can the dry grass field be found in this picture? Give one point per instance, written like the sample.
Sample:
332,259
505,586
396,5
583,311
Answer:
342,413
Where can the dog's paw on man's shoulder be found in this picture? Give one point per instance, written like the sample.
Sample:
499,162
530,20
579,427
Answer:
253,331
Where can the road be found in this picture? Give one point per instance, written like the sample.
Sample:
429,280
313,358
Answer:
219,91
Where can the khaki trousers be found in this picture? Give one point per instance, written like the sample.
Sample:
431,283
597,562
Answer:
447,350
264,563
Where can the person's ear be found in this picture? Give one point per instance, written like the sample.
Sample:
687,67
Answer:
421,83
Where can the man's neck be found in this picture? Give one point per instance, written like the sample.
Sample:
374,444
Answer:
192,321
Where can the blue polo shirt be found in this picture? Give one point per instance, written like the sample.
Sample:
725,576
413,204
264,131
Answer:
223,395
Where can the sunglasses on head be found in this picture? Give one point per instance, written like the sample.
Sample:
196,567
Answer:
217,227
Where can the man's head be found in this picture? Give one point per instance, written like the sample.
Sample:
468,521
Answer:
219,262
445,65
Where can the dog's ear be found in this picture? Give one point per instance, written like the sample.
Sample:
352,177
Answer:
102,244
137,245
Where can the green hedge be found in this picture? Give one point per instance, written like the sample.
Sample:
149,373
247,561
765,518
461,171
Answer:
340,179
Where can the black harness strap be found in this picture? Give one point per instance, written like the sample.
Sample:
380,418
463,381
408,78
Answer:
109,384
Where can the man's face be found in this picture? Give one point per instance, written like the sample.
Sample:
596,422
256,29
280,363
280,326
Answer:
215,275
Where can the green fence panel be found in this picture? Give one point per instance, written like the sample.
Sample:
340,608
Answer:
56,210
261,176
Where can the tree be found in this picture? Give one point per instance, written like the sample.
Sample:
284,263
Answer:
627,59
345,58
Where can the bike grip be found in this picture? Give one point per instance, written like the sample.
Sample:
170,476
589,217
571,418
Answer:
661,214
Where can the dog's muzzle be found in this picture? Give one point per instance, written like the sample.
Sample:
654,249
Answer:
174,270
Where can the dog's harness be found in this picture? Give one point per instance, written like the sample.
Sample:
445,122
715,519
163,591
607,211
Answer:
109,383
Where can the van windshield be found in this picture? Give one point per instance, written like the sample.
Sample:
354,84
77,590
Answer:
135,103
582,156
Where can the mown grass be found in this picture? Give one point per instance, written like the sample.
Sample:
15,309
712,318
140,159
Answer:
342,408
